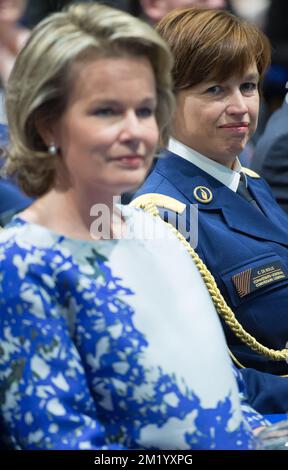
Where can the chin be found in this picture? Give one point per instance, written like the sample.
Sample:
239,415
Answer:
235,150
128,188
136,183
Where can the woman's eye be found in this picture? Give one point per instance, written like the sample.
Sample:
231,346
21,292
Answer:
214,90
108,111
104,112
248,87
145,112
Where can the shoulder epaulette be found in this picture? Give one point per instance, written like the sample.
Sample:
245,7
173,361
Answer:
251,173
159,200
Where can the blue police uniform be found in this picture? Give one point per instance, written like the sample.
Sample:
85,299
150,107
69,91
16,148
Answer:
246,250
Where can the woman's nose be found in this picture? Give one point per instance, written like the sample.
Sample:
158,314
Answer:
237,103
132,126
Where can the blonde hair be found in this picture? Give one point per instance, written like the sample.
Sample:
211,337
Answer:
212,44
41,79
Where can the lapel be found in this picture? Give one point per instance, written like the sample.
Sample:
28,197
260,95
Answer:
239,215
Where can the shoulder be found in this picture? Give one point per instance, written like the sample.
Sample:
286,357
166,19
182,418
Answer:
16,254
159,200
258,181
23,245
165,176
8,236
143,222
156,182
25,235
176,213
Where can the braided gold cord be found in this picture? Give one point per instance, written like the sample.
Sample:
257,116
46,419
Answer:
223,309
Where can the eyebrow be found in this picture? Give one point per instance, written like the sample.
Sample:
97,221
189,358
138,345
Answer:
113,102
252,76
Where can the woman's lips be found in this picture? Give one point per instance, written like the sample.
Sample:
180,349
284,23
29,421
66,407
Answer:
129,160
238,127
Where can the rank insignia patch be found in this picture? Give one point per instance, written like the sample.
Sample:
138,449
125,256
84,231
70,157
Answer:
252,279
203,194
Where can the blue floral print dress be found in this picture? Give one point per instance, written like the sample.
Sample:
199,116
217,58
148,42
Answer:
111,344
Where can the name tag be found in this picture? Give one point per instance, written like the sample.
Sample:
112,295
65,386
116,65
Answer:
250,280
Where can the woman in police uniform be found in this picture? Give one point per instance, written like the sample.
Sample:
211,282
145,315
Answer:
220,61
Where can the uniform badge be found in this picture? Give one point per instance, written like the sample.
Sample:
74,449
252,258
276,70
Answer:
252,279
203,194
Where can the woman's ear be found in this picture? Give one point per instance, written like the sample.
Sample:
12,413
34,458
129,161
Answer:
45,129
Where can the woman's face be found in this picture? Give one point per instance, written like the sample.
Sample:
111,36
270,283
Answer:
217,118
108,134
11,10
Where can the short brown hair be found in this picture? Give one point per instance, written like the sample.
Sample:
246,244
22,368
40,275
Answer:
212,44
41,79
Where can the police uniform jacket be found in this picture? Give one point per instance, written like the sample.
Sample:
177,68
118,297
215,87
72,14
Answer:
246,250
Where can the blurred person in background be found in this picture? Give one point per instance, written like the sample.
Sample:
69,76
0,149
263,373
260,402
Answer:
276,29
154,10
255,11
38,10
12,35
270,157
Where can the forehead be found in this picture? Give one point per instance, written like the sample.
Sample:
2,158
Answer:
95,76
249,73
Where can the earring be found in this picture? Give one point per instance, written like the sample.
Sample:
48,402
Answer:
52,149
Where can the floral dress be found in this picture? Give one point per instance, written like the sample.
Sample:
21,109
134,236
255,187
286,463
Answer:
111,344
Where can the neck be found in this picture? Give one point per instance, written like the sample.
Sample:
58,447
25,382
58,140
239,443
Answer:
227,160
94,217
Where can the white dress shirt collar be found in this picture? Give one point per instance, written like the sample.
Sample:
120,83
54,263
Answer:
225,175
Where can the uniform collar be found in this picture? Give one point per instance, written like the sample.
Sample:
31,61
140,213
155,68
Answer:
230,178
239,215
